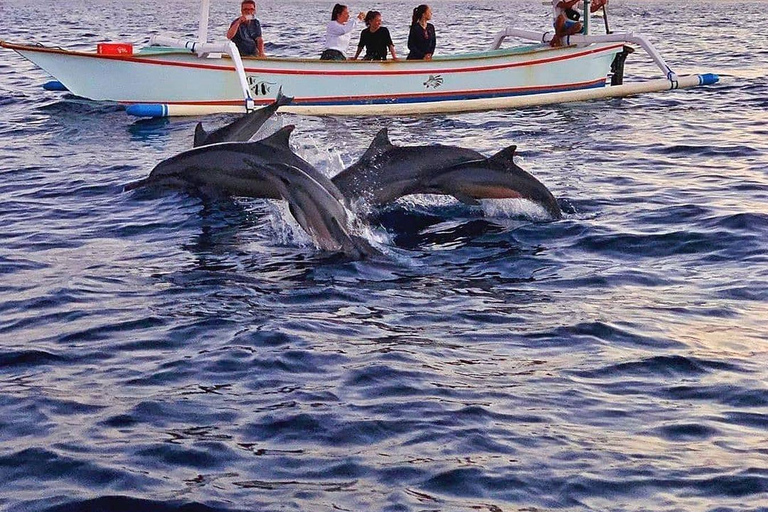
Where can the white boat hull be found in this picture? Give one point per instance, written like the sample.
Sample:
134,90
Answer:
181,79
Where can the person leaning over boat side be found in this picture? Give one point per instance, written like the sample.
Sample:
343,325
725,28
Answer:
564,25
338,32
422,39
245,31
375,39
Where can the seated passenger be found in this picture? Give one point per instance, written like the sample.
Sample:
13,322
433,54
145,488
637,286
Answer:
564,25
375,39
422,39
338,32
245,31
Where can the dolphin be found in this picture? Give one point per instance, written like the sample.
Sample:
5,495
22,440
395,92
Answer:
497,177
317,210
228,167
386,172
243,128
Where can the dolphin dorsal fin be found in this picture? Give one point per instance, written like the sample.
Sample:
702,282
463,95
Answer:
505,156
379,145
279,139
200,136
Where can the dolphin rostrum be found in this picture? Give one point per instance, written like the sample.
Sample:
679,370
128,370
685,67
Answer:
387,172
244,127
317,210
228,168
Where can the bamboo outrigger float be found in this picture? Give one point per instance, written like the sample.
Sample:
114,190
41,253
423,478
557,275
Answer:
174,76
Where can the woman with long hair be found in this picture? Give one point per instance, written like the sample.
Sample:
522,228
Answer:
421,39
338,32
375,39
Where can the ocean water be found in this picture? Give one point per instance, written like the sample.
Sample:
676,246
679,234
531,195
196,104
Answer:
159,351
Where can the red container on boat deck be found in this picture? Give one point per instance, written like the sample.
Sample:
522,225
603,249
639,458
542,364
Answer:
114,49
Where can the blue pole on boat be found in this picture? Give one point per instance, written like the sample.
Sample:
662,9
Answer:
55,85
147,110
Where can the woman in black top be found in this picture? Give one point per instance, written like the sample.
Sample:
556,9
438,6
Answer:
421,39
375,39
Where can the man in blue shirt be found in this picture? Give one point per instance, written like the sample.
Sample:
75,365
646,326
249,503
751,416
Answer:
245,31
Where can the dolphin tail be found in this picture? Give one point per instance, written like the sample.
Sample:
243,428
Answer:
282,99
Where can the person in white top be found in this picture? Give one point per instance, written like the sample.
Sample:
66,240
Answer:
338,32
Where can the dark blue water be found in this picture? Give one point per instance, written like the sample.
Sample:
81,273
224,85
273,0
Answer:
163,352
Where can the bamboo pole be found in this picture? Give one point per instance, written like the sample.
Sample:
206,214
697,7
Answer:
442,107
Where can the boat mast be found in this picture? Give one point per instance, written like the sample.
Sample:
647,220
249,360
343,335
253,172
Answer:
585,30
202,31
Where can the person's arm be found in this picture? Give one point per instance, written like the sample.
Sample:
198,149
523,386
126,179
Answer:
392,51
360,46
337,29
432,42
411,39
234,27
260,47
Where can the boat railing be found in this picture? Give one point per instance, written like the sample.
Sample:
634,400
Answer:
580,39
203,50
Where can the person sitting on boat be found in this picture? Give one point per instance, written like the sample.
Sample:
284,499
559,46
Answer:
375,39
245,31
338,32
565,20
422,39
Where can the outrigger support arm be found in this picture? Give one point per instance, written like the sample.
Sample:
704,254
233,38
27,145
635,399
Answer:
202,30
202,49
579,39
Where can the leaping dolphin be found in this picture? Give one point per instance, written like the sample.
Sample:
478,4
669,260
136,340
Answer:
244,127
267,169
317,210
228,167
497,177
387,172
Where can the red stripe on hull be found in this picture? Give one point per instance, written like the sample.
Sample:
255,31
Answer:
324,72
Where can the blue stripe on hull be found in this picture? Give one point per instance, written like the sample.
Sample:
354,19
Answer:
162,109
448,97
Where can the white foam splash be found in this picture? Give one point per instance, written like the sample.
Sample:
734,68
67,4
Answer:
510,208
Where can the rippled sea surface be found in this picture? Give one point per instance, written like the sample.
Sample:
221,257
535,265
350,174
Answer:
159,351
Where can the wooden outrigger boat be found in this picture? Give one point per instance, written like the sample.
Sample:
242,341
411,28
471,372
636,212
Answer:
192,77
